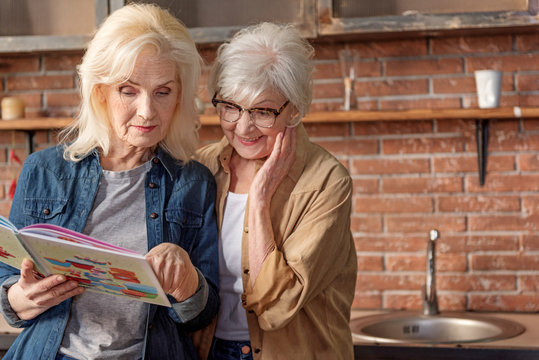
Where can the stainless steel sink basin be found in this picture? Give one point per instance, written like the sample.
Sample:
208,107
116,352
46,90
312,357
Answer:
444,328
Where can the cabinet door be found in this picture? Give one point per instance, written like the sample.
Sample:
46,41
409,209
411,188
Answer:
33,25
217,20
390,16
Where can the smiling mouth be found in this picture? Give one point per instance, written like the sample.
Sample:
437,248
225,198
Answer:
249,141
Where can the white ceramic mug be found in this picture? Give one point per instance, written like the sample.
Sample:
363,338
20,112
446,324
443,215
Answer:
489,86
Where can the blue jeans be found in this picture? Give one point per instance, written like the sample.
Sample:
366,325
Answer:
230,350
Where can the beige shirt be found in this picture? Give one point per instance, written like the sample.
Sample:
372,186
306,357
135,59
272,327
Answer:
299,306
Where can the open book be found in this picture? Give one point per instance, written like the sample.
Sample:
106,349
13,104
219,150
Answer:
96,265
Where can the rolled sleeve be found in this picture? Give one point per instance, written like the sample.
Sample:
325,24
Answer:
9,315
192,306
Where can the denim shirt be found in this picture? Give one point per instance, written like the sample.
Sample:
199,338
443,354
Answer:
180,208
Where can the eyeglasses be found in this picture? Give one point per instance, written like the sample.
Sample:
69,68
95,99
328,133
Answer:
262,117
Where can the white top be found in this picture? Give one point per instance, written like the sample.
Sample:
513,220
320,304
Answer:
232,319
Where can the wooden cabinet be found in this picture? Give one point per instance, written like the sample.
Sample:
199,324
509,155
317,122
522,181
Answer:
337,17
214,21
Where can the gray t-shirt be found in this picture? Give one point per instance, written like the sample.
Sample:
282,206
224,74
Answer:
105,326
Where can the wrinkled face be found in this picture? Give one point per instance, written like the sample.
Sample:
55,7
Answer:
252,142
140,109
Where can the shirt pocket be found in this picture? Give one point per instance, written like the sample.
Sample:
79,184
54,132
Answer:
44,210
184,226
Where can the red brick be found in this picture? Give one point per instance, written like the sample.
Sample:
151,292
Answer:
391,87
504,223
527,82
451,262
62,62
461,126
528,100
405,262
457,164
40,82
328,90
422,185
478,203
393,205
454,85
472,282
389,166
530,242
63,99
471,44
513,141
324,130
370,262
17,64
326,105
423,145
424,67
506,63
528,162
350,147
471,243
367,300
393,48
503,183
425,103
367,281
10,137
391,243
399,301
332,70
528,282
423,223
365,186
504,262
530,124
392,127
527,42
368,224
504,302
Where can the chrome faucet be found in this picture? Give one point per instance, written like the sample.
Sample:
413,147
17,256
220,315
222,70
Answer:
430,302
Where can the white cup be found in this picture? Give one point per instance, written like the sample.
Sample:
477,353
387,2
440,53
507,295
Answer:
489,86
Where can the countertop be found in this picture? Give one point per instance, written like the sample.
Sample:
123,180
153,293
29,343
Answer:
521,347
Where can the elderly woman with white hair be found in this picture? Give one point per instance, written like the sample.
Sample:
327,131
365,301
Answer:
287,261
124,175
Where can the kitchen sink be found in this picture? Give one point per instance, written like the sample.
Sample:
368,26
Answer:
443,328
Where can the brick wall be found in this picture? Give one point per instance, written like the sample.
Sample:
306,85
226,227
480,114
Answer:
409,176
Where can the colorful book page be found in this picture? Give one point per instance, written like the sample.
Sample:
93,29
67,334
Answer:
98,269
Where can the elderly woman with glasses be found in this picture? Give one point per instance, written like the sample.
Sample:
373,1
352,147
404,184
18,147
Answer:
287,257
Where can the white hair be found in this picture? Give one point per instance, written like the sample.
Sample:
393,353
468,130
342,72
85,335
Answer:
110,59
261,57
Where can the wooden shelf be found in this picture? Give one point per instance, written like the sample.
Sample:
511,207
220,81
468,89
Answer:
323,116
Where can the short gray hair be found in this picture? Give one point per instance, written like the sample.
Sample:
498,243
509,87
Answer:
261,57
110,58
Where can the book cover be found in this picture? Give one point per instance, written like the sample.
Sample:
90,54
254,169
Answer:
96,265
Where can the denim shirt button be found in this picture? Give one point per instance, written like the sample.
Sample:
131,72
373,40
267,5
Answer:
46,211
152,185
154,215
155,160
